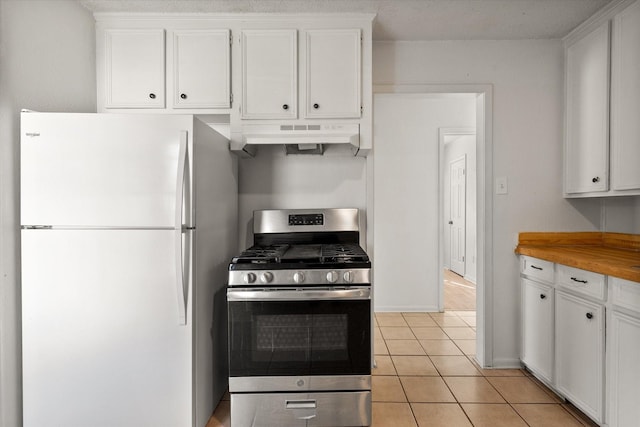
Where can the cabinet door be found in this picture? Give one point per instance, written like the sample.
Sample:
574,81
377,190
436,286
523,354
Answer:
579,360
201,69
269,74
333,70
624,370
625,100
537,328
134,68
587,121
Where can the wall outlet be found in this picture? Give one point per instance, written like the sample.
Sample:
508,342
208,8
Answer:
501,185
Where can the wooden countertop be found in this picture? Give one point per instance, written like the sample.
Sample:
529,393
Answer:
613,254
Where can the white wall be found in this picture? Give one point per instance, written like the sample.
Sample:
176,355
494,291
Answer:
47,57
621,214
273,180
462,145
407,184
527,79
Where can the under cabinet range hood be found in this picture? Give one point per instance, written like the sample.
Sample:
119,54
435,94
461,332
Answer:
296,139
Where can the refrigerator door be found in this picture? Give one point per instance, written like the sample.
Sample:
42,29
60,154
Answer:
101,170
102,345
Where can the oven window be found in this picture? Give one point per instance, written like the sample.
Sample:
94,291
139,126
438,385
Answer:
299,338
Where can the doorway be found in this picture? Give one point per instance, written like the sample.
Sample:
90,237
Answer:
458,187
399,281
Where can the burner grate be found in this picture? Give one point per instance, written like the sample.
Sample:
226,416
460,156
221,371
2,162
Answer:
261,255
339,253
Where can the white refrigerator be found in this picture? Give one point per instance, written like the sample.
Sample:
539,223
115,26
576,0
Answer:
128,225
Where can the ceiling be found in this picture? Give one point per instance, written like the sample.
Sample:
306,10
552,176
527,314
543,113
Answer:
404,19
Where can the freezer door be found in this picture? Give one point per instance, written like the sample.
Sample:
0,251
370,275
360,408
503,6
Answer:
101,170
102,345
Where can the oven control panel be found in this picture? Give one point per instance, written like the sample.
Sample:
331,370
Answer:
306,219
356,276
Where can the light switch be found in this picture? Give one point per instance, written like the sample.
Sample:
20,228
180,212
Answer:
501,185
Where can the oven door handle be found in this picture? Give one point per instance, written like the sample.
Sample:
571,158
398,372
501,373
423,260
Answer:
299,294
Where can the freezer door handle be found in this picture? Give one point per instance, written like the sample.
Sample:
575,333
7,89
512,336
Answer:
182,204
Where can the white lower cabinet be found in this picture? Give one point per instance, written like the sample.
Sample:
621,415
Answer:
537,328
579,355
623,369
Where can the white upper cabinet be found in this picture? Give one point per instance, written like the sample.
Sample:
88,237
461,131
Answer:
330,66
587,121
332,72
625,100
201,69
602,139
269,74
134,68
186,70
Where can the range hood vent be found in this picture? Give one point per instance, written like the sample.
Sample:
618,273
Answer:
297,139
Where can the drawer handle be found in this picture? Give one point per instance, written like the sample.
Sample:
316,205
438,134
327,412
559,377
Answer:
542,296
578,280
589,316
536,267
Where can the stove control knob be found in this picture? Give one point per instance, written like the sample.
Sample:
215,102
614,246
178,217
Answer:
266,277
298,277
348,276
249,278
332,277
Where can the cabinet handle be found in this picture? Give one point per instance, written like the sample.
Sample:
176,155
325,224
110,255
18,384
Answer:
152,95
285,106
536,267
578,280
183,95
596,179
542,296
589,316
316,106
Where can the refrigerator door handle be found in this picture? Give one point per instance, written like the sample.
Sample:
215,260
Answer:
181,204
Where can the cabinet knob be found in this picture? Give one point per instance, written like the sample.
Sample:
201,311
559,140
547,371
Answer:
183,96
589,316
152,95
596,179
316,106
542,296
285,106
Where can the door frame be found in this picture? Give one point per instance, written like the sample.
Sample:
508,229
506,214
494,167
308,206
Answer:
442,134
484,203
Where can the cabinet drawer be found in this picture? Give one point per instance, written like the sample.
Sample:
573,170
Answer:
537,268
581,281
625,293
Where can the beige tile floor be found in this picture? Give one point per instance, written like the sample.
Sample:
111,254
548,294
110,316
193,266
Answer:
426,375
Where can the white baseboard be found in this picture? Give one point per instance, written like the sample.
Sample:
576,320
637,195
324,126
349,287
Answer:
405,308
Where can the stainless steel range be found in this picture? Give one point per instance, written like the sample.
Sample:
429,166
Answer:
300,322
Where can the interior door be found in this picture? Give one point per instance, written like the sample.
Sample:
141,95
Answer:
457,222
102,340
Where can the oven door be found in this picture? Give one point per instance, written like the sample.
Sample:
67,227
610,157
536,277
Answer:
298,333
